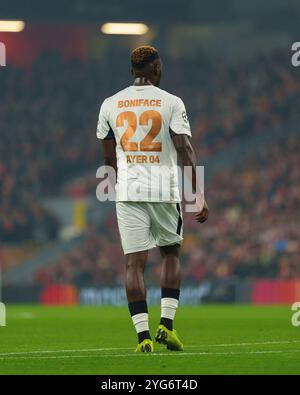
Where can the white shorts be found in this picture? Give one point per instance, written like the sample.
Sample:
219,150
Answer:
144,225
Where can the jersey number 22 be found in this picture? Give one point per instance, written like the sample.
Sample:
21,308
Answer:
147,144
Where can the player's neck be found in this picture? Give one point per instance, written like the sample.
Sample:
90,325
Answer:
142,81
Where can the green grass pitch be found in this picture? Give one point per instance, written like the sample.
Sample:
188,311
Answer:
100,340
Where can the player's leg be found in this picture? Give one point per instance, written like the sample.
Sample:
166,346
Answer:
167,230
170,291
136,294
134,227
170,284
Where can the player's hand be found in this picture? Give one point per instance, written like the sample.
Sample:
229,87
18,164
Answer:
202,215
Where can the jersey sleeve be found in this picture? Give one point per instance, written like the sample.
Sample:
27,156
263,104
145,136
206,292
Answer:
179,123
104,130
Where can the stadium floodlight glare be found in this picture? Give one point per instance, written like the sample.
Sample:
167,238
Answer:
12,26
124,28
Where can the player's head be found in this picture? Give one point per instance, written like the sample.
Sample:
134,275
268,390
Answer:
145,62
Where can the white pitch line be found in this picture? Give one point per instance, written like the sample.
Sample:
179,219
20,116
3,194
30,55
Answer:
60,351
130,348
262,352
245,344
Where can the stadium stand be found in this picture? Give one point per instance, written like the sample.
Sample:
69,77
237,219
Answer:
53,121
252,231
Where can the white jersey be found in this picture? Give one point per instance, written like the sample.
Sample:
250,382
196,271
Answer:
142,120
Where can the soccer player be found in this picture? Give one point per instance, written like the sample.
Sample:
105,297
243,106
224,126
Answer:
144,130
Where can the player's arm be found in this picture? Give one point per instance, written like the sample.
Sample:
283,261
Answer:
107,137
186,157
109,153
180,132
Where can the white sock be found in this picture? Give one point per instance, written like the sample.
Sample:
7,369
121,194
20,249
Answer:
168,308
141,322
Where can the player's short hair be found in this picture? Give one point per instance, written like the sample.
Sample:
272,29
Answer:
142,56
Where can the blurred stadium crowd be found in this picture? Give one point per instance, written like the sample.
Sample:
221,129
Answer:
51,112
252,230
